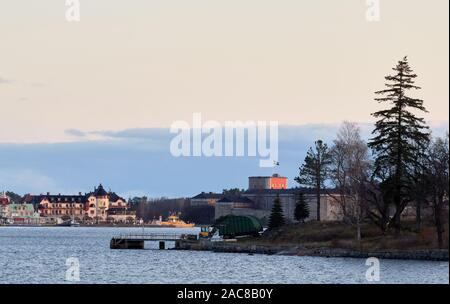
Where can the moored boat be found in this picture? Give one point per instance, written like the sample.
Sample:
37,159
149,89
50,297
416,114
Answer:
172,221
71,223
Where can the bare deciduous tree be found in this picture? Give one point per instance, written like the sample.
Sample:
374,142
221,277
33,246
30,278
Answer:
439,177
349,172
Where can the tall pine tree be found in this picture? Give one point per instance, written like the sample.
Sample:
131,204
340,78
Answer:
314,170
400,136
301,211
276,219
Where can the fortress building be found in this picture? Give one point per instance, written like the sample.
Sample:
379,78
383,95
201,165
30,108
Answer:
258,200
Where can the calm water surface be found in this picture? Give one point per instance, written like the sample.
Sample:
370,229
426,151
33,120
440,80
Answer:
38,255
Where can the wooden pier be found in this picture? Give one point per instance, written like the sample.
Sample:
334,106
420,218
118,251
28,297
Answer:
136,241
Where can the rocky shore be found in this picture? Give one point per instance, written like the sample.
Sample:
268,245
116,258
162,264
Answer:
236,247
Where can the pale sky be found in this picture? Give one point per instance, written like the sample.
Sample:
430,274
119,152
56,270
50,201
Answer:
146,63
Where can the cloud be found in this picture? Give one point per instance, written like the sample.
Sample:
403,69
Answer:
143,133
138,161
146,139
75,132
12,179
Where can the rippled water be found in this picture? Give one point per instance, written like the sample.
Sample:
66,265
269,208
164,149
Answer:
38,255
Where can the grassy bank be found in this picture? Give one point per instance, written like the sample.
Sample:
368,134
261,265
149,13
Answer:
339,235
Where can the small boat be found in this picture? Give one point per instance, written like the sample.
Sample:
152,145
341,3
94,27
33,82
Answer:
174,221
64,224
74,224
71,223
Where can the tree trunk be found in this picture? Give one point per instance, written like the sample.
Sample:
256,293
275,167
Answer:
418,216
438,221
318,203
358,222
398,212
358,232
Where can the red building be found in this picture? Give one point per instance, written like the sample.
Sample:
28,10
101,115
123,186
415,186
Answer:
4,199
267,182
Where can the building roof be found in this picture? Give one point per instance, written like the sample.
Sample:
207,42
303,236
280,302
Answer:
100,191
80,198
209,195
272,176
235,199
58,198
113,197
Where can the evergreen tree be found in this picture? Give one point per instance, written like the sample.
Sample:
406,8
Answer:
276,219
400,136
314,170
301,208
232,192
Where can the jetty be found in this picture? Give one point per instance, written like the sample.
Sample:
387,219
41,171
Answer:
136,241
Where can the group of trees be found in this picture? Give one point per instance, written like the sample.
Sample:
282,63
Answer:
149,209
400,166
301,212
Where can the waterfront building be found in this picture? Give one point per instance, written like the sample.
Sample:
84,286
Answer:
22,214
59,206
4,199
96,206
4,211
4,207
120,215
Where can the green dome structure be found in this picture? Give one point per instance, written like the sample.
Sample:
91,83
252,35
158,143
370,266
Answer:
230,226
